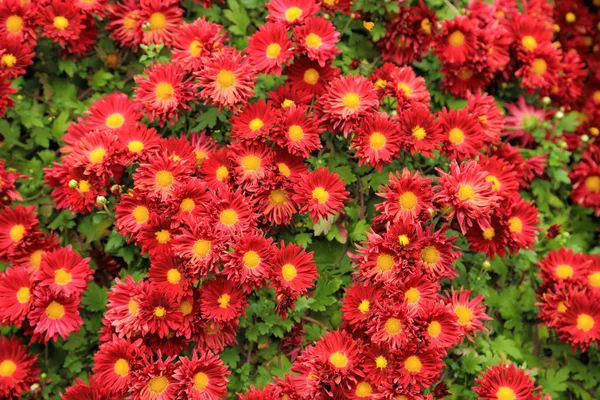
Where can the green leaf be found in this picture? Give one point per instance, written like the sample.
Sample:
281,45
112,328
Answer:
95,298
238,16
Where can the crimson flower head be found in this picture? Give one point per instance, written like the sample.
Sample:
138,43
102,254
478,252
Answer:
159,314
291,11
470,313
114,365
580,324
159,21
376,141
17,226
202,377
318,38
54,315
408,197
299,132
457,40
222,300
17,368
307,75
270,48
322,193
158,177
505,381
293,270
418,130
61,21
112,113
196,43
63,271
16,297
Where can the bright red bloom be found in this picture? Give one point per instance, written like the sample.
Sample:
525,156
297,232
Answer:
61,21
124,300
522,218
418,130
286,96
293,270
200,244
407,197
155,381
540,69
438,254
491,240
470,313
123,25
81,390
138,142
112,113
291,11
322,193
505,381
80,198
501,174
159,177
269,48
63,271
159,314
164,93
197,42
17,20
441,326
392,324
96,152
462,133
17,368
217,170
275,204
457,40
299,133
307,75
563,266
252,163
231,213
221,300
347,100
132,212
16,286
420,367
409,89
203,377
15,56
358,306
168,275
155,237
318,38
114,365
159,20
417,290
227,79
580,324
17,226
54,315
255,122
188,198
250,261
376,141
585,180
204,146
491,120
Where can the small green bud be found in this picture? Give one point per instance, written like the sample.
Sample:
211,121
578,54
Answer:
101,200
73,184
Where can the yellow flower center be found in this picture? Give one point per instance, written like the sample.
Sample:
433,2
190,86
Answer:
130,21
564,271
434,329
140,214
23,295
157,21
195,48
495,181
426,26
377,140
223,300
585,322
173,276
17,232
132,307
515,225
185,307
222,173
505,393
561,307
419,133
36,258
405,88
60,23
278,197
313,41
539,66
226,79
465,74
529,42
592,184
407,201
351,101
385,262
289,272
7,368
363,389
158,385
464,314
489,233
465,192
292,14
164,178
8,60
570,17
412,296
311,76
364,306
187,205
381,362
200,156
121,367
251,259
284,170
286,103
14,24
115,121
380,83
251,163
594,131
62,277
594,279
413,364
135,146
202,248
256,124
296,133
97,155
160,312
456,136
393,326
164,91
163,236
320,194
403,240
273,50
228,217
55,311
200,381
338,359
456,39
84,186
430,255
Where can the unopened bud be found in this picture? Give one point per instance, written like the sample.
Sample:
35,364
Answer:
585,138
116,189
546,100
486,265
73,184
559,114
101,200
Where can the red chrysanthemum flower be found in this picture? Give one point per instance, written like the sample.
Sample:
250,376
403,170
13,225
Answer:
215,336
376,141
491,240
408,197
293,269
124,300
291,11
438,254
63,271
409,89
417,290
585,180
501,174
441,326
286,96
269,48
580,324
563,266
418,131
16,286
61,21
17,368
231,213
17,226
204,146
113,113
457,40
317,37
30,256
96,152
392,324
123,25
491,120
254,122
420,367
522,219
200,244
307,75
203,377
159,314
159,177
298,133
540,69
227,79
252,163
164,93
463,135
217,170
322,193
470,313
197,42
72,188
346,101
17,20
221,300
81,390
188,198
159,20
155,381
168,275
138,143
132,213
275,204
114,365
358,306
54,315
156,236
250,261
505,381
15,56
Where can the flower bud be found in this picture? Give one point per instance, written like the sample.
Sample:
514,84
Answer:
486,265
559,114
73,184
546,100
101,200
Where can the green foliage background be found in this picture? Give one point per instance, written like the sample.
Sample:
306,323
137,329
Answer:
55,92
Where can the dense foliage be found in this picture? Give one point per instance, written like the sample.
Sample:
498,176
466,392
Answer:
303,199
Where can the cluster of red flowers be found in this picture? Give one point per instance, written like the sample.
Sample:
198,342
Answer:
570,296
507,382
